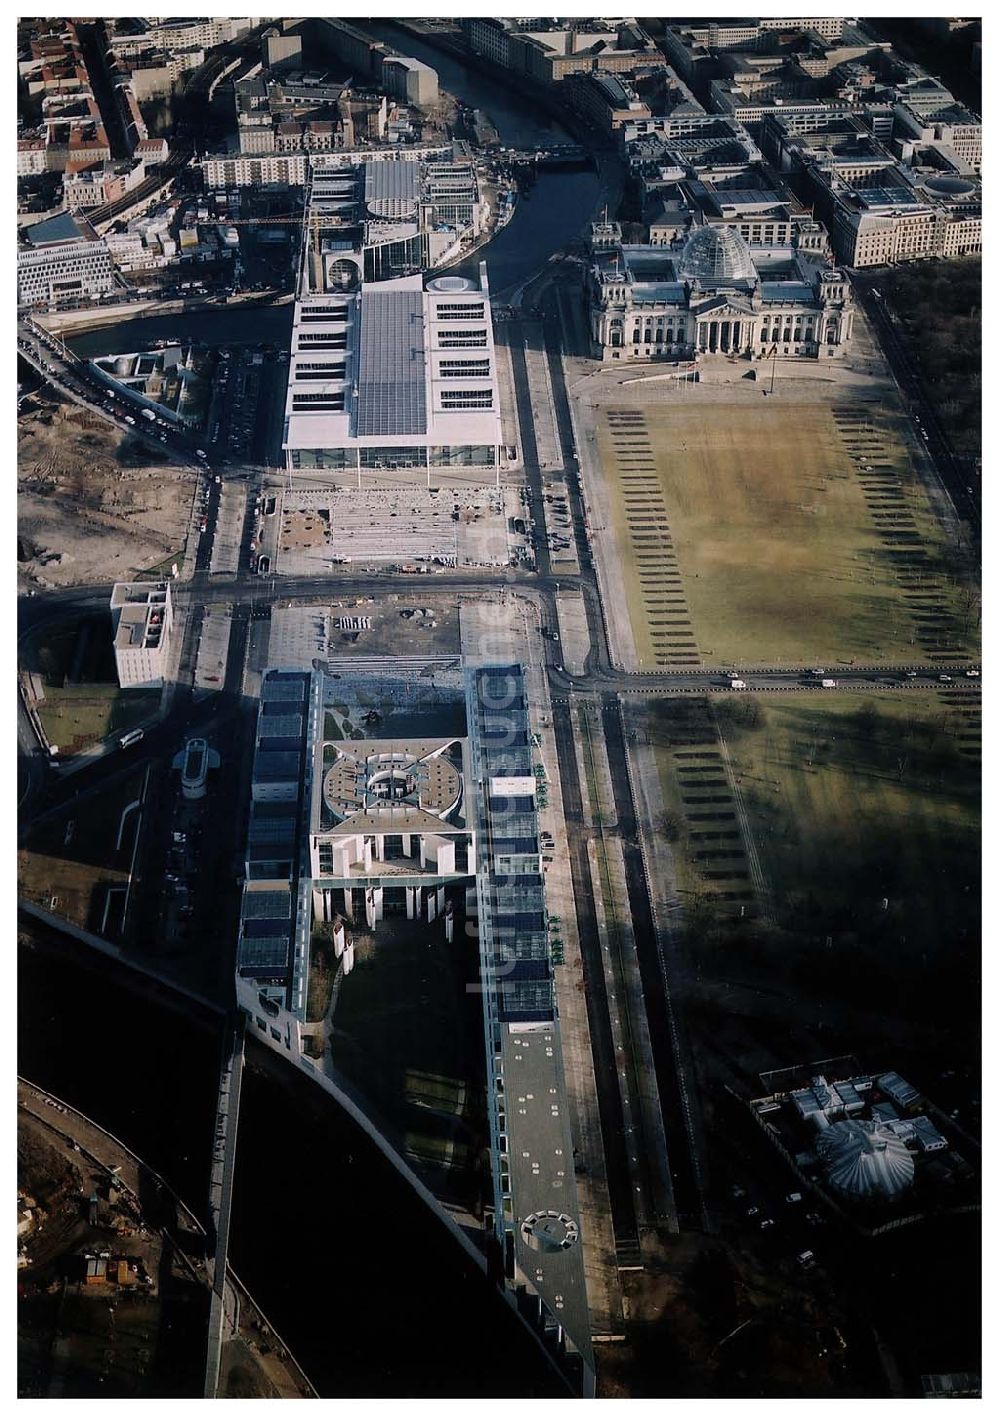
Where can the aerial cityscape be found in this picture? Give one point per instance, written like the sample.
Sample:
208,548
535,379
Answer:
499,707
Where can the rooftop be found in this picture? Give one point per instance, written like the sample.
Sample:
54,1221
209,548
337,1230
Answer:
55,230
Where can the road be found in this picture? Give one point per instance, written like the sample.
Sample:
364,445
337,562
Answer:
75,379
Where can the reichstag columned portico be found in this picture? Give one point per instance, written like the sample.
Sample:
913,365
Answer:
714,296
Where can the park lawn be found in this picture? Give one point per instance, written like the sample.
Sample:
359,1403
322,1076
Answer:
677,729
779,556
853,802
77,888
77,716
79,871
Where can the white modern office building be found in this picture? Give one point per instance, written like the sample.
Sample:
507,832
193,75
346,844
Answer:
435,838
142,620
62,259
393,369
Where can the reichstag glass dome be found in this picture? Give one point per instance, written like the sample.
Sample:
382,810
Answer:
715,254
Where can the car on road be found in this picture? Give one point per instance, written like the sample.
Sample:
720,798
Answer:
972,674
944,679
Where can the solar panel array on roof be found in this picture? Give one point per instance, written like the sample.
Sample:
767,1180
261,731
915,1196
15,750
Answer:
888,196
272,830
55,229
500,687
275,766
280,725
515,761
507,728
265,954
272,708
392,398
391,181
520,944
518,894
518,939
265,868
782,291
291,687
516,845
526,1000
258,905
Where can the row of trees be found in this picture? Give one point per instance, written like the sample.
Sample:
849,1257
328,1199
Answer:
940,304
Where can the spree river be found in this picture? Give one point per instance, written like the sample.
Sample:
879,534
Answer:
362,1282
559,204
545,220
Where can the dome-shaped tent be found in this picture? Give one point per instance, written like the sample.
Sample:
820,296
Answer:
865,1160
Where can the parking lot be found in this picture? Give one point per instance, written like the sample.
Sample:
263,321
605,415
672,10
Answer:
228,530
213,649
558,530
243,402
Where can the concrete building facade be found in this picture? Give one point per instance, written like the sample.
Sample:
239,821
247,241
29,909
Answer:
392,371
714,297
142,623
387,835
550,51
62,259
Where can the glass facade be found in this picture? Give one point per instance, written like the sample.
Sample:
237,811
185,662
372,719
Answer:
464,455
392,456
323,458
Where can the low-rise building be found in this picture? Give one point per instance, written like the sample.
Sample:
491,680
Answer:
877,209
552,50
152,151
95,186
129,38
32,159
141,623
864,1144
194,762
605,101
950,129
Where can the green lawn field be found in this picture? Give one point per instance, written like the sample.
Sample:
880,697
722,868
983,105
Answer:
779,533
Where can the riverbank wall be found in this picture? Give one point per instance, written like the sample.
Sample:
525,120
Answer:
98,316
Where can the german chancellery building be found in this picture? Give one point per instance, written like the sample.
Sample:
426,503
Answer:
713,295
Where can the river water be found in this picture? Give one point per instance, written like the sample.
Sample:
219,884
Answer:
360,1280
546,219
559,204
